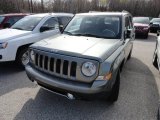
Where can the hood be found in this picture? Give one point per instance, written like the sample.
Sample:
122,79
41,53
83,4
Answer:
85,47
156,23
8,34
141,25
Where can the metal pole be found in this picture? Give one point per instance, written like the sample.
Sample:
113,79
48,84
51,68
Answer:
17,4
42,5
31,6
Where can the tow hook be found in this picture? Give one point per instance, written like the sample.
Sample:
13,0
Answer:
70,96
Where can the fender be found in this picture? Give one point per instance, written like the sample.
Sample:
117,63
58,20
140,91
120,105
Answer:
113,64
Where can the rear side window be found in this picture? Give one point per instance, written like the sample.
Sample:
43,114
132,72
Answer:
1,19
64,20
128,23
52,23
13,20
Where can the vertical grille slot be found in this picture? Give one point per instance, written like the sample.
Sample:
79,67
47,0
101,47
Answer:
41,61
46,62
52,65
73,69
65,67
36,59
58,65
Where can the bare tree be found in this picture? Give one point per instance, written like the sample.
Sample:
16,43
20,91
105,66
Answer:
136,7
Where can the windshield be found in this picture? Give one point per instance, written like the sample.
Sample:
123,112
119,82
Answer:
1,19
101,26
27,23
143,20
155,20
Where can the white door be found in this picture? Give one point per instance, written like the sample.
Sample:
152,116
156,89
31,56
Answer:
49,28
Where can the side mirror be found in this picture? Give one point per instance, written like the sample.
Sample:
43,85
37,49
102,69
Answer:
151,23
7,25
61,28
44,28
127,34
158,32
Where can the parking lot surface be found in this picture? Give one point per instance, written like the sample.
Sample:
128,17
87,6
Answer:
20,99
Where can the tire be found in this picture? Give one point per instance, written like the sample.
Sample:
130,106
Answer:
21,56
130,55
155,60
115,90
146,36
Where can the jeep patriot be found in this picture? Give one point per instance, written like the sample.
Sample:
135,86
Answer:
84,61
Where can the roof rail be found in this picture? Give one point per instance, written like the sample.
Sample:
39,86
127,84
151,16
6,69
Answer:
94,11
124,11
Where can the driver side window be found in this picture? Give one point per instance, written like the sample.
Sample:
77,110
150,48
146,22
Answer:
51,23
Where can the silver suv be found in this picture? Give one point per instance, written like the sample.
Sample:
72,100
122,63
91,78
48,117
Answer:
85,61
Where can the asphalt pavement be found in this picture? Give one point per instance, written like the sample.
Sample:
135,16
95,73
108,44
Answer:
20,99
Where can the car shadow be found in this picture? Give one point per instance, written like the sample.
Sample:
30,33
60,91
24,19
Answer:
9,67
138,99
19,78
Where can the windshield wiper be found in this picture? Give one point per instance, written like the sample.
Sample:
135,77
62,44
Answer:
18,28
88,35
68,33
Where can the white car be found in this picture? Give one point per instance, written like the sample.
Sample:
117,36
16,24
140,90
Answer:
14,42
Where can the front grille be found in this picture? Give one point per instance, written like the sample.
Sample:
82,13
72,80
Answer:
56,66
139,28
62,66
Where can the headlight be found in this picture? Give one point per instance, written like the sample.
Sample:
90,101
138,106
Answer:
3,45
89,69
146,28
32,55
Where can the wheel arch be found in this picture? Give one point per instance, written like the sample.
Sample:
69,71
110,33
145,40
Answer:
122,65
21,48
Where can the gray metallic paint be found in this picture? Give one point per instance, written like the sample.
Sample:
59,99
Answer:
110,53
79,46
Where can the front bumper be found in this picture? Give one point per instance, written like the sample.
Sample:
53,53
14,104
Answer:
6,55
2,55
154,29
141,32
67,86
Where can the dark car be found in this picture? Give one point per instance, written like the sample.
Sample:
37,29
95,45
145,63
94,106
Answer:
155,25
7,20
142,26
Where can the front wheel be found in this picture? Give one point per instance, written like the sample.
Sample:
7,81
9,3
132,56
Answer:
23,57
146,36
130,54
115,90
155,60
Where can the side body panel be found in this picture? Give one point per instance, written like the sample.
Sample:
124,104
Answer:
9,53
